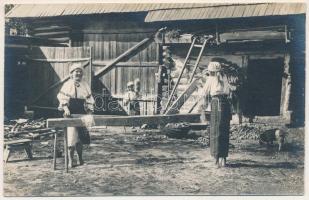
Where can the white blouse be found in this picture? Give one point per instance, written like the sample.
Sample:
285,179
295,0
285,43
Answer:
72,89
216,85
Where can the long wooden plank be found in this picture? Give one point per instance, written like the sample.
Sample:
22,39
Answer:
130,51
52,33
126,64
182,98
56,60
97,120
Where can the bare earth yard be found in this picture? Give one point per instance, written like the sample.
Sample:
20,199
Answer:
148,163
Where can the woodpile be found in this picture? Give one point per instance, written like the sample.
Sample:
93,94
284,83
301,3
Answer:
26,129
249,131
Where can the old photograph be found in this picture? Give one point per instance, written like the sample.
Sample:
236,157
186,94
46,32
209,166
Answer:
154,99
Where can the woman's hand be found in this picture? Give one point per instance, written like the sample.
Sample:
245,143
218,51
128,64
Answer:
67,112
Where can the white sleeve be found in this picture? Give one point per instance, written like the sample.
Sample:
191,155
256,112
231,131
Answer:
64,96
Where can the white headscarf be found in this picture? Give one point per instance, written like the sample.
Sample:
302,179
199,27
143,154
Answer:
215,85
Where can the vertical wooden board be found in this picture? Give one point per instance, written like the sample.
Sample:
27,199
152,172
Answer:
48,75
96,46
131,44
105,47
100,47
114,47
144,79
150,55
112,84
124,80
117,43
141,54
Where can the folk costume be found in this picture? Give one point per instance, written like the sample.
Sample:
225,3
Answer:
76,96
220,116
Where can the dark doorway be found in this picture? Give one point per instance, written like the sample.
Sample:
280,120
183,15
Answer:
264,87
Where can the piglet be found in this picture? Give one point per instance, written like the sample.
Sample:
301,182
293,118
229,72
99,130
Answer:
269,136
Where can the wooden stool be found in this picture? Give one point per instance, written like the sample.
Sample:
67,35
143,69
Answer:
24,144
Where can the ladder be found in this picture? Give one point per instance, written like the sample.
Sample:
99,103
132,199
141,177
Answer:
194,45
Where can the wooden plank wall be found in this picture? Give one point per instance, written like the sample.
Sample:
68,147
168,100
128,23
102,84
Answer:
50,69
108,47
107,44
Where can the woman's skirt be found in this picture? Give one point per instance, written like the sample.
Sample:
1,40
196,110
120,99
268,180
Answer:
76,106
219,126
73,136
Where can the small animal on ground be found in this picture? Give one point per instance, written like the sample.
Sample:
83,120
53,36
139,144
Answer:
269,136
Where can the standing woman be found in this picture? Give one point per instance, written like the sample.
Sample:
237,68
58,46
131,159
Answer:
75,98
217,89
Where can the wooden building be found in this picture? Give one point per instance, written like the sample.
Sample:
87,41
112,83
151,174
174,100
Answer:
267,40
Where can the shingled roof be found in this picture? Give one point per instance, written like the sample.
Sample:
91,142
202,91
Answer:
160,11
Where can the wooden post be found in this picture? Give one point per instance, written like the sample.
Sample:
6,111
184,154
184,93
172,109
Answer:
286,86
65,139
55,151
90,66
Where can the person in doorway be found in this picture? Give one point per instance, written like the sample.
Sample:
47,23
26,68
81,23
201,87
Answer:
217,89
130,100
75,98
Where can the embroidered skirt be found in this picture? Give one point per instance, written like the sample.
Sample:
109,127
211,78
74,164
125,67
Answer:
219,126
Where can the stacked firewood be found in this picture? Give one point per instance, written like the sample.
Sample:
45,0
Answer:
26,129
249,131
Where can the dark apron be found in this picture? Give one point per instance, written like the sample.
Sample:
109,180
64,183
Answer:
77,106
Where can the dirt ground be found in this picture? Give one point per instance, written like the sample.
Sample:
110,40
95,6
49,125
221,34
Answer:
149,163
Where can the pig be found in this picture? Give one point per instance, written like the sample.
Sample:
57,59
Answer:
269,136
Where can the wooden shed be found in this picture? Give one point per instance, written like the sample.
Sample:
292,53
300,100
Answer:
267,40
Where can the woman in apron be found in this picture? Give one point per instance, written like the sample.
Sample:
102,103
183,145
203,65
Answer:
217,89
75,98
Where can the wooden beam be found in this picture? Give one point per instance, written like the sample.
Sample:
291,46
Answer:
97,120
174,108
252,36
126,64
280,120
51,33
50,28
58,60
130,51
119,31
63,39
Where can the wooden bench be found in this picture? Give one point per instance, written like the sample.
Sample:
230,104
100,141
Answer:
25,144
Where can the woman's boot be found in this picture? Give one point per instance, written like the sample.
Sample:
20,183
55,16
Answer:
71,156
79,149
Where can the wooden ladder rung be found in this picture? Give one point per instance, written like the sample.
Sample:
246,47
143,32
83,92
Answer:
198,45
189,64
